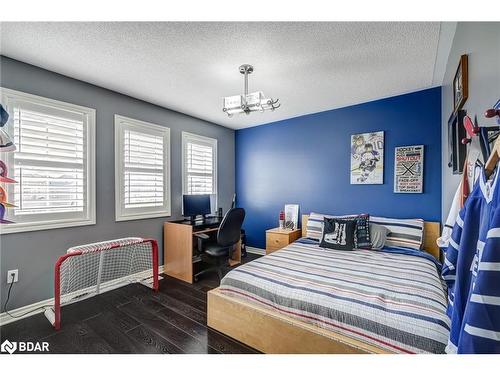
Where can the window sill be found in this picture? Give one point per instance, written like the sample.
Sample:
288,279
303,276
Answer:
31,227
142,216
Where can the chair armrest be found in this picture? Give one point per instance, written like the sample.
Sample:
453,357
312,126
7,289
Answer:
201,238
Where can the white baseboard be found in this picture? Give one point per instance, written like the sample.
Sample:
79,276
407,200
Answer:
38,307
256,250
29,310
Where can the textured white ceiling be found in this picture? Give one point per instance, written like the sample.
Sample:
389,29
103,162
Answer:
189,67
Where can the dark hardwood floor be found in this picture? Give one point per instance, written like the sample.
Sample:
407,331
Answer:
133,319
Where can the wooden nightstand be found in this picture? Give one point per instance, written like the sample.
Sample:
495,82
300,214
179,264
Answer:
277,238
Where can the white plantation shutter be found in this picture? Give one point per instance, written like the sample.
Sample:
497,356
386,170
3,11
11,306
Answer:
199,164
199,168
142,169
53,164
49,163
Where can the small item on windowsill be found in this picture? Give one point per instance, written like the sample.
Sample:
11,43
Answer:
4,116
282,220
6,143
4,174
2,214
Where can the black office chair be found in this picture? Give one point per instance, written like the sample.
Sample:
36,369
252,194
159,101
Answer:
218,253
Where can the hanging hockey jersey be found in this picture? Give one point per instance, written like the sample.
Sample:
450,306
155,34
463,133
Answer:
456,205
459,257
481,322
451,220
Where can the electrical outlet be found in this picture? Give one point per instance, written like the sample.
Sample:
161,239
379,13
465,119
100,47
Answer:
11,273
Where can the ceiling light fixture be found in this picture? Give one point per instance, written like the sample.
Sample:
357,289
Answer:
246,103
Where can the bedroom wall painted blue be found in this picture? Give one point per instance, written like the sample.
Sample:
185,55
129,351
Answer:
306,160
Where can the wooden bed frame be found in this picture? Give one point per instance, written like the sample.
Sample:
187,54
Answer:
271,332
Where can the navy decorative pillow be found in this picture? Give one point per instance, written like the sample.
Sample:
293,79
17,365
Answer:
362,238
338,234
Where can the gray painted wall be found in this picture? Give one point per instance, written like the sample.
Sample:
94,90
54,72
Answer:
34,253
481,41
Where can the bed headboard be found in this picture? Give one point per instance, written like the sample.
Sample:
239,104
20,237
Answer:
431,234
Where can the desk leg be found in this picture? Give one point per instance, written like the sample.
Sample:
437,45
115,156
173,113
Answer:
236,259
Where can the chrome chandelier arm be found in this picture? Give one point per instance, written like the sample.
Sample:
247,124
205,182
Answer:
240,103
245,90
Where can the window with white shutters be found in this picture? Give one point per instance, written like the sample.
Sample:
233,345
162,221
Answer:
199,167
142,169
53,164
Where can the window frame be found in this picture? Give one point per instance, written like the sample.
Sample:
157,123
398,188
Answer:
121,123
9,98
186,137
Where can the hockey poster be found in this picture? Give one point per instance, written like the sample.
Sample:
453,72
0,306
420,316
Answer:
367,158
409,169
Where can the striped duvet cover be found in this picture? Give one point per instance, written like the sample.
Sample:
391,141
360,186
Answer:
392,299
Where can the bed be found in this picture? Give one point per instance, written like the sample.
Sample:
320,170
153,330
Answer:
305,299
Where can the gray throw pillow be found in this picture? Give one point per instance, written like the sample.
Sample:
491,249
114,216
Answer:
378,235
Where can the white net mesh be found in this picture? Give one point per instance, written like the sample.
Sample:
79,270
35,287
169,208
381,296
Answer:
104,266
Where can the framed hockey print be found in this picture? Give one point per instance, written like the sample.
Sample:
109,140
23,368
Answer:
461,84
409,169
367,158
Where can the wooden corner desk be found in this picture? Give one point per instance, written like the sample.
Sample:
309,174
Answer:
179,247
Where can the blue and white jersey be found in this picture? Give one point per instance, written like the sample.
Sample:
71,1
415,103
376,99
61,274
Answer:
452,233
451,220
459,257
481,321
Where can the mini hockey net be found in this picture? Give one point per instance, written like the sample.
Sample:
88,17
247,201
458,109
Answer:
87,270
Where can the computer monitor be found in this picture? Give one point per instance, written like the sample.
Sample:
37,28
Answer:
196,204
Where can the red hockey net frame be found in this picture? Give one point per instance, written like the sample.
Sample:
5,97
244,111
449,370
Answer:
119,262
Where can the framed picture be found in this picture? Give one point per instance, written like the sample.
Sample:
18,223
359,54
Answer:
461,84
456,149
367,158
409,169
291,216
